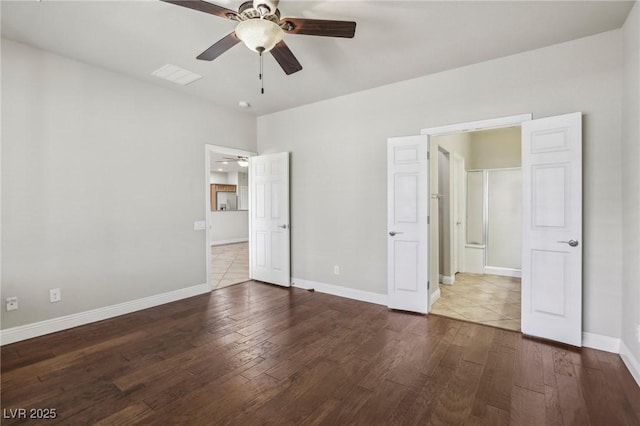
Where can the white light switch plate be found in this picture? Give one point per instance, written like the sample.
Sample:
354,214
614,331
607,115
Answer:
199,225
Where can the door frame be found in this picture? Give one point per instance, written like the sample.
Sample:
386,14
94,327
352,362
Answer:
471,126
457,189
208,149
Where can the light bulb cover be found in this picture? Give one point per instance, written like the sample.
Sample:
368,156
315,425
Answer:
259,33
243,163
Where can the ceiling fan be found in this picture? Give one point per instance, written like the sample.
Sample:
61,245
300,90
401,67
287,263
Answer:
241,160
262,29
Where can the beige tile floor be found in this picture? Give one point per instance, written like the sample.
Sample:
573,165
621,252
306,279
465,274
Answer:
485,299
229,264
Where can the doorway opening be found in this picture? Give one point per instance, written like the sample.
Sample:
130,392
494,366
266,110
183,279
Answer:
476,204
551,208
227,236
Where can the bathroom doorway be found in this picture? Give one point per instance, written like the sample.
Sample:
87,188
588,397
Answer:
478,203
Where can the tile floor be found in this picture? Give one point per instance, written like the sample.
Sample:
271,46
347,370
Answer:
485,299
229,264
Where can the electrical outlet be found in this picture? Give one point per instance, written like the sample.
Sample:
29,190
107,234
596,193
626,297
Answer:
12,303
55,295
336,269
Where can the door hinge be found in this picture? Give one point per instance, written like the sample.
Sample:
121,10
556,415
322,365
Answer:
428,155
428,220
428,285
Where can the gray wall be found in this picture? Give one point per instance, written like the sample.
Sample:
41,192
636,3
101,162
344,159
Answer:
102,179
495,149
338,158
228,225
631,185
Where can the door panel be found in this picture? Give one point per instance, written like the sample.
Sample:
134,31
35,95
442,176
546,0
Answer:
552,217
407,203
269,245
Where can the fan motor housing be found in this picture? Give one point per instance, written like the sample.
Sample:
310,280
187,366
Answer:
251,10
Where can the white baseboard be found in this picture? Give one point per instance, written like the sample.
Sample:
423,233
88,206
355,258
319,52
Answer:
600,342
336,290
447,280
24,332
434,297
230,241
632,363
504,272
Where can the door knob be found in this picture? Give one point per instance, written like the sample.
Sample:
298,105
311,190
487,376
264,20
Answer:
572,243
394,233
283,226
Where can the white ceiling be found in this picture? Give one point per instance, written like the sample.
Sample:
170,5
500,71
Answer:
394,41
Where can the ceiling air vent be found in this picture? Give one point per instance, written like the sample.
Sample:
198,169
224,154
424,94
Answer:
176,74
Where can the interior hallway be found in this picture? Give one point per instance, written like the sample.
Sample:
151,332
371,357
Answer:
229,264
485,299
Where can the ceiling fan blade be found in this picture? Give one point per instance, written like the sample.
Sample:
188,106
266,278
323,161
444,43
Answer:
285,58
206,7
219,47
319,27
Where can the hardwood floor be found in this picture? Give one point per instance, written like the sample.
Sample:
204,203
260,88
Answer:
258,354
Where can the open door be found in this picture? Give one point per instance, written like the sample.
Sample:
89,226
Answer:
269,234
407,210
552,228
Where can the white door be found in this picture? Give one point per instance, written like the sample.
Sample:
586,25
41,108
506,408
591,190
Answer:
552,228
407,231
269,242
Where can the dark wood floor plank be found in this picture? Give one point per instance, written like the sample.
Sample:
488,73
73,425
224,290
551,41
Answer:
131,415
527,407
529,372
297,398
572,403
446,338
321,412
594,389
409,367
417,406
553,412
491,417
454,404
258,354
500,382
622,391
345,412
627,383
387,361
69,358
484,392
380,407
478,343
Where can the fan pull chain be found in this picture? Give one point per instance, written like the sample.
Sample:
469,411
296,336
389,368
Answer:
261,75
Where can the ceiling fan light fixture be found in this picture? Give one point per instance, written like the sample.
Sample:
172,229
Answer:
259,35
243,163
269,7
